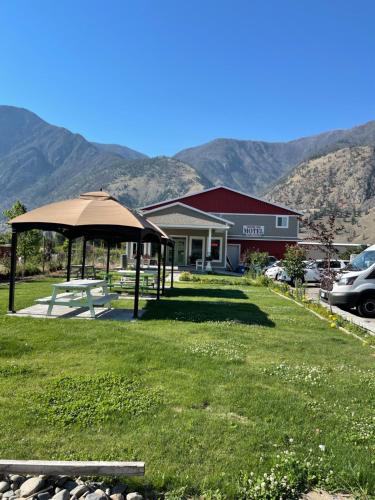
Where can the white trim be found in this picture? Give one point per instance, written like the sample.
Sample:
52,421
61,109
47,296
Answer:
229,189
263,215
186,226
263,238
282,217
203,245
186,245
193,209
221,248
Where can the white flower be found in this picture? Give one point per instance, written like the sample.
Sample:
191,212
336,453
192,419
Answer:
322,447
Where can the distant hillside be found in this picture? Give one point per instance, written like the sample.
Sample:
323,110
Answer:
253,166
40,163
342,182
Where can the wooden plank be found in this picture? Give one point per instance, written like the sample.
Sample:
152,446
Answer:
72,468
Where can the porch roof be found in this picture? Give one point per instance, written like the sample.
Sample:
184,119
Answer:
179,215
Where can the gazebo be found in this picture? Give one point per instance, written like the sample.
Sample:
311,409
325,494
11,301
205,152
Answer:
94,215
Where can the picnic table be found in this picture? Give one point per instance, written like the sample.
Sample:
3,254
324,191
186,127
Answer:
128,278
79,293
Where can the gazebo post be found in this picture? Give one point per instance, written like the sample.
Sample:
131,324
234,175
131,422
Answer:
69,264
172,270
137,275
164,262
13,265
108,257
83,258
158,281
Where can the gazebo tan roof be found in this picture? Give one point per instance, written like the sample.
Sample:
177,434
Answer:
90,214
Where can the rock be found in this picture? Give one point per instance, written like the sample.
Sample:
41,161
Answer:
31,486
70,485
61,495
16,479
119,488
79,490
94,496
134,496
44,496
101,494
4,486
8,494
117,496
17,492
61,480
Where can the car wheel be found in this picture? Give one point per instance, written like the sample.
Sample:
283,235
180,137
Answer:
366,306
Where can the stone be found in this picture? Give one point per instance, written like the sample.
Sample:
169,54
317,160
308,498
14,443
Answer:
79,490
44,496
16,479
119,488
31,486
8,494
134,496
70,485
4,486
94,496
61,480
61,495
101,494
117,496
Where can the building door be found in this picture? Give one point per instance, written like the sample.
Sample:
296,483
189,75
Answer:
233,254
196,248
179,252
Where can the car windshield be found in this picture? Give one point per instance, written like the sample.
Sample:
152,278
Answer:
363,261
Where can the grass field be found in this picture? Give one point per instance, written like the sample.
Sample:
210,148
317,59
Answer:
214,381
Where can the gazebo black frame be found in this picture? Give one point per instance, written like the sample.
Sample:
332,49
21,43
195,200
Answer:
111,235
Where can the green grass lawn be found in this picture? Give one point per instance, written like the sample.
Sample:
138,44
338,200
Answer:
214,380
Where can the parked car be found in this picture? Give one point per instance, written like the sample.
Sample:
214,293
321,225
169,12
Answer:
315,270
354,287
273,270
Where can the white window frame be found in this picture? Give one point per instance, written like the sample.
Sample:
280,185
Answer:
286,217
221,247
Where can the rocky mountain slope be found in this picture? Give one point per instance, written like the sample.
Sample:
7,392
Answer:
342,182
252,166
40,163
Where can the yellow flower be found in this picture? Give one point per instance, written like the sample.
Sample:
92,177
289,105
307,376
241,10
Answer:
333,324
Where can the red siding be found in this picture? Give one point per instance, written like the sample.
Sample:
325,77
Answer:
275,248
222,200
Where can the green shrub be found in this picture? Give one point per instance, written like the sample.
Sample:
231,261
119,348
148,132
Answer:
185,276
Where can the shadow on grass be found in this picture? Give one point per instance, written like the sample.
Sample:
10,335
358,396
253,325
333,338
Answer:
204,311
206,292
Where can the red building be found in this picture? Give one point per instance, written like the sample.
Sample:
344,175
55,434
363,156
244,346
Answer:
223,223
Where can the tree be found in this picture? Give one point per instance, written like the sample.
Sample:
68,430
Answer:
256,260
28,244
324,233
294,262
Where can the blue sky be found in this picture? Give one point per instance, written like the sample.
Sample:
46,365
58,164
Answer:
162,75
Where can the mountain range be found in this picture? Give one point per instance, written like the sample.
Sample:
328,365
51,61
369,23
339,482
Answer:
40,163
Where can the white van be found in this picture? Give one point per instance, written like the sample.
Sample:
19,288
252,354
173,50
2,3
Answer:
355,286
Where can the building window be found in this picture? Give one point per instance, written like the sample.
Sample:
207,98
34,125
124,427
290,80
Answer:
282,221
216,245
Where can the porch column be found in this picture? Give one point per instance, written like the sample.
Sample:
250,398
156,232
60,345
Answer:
13,265
83,258
172,268
69,263
159,269
164,264
208,251
137,277
225,248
